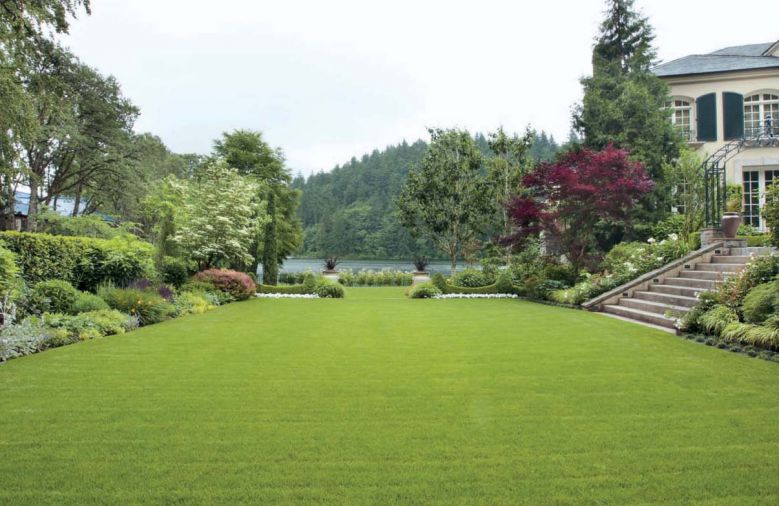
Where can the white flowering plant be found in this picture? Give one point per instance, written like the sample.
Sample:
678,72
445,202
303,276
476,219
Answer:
287,296
626,261
476,296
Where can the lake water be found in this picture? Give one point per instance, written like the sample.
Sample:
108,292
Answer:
315,265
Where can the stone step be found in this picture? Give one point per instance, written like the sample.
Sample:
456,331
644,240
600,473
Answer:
641,316
652,307
684,291
667,298
719,267
730,259
752,251
690,282
707,275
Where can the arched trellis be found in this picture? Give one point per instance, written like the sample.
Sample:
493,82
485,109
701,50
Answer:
713,169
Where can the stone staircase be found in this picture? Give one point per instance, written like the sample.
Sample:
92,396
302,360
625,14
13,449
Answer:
662,300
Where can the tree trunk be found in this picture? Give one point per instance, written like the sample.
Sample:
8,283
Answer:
453,261
77,201
32,210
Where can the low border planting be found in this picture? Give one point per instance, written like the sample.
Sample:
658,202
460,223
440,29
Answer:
55,314
323,288
742,312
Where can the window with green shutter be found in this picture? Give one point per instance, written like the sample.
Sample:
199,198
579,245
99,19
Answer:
706,108
733,113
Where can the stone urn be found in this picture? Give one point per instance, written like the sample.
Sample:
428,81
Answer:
729,224
332,275
419,277
329,272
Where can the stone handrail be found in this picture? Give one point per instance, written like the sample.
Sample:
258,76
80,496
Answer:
615,293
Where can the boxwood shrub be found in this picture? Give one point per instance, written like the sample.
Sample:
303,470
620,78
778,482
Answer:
327,289
426,290
58,296
307,286
503,284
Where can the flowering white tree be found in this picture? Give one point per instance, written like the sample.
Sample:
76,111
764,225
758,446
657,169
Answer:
222,217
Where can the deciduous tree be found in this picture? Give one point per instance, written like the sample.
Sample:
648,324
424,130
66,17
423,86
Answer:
248,153
221,217
566,200
447,198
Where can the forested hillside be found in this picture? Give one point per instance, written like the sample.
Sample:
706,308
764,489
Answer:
351,210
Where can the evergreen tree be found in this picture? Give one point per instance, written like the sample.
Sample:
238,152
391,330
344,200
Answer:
270,260
625,41
624,103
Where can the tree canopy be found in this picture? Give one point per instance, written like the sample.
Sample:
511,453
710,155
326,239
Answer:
624,103
446,198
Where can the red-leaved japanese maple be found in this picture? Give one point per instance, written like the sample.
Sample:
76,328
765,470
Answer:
567,199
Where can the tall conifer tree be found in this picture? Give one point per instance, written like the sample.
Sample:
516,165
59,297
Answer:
625,104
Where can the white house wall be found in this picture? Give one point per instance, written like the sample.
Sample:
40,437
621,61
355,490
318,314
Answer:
745,83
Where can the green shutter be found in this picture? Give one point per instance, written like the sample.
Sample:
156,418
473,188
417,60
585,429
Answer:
706,109
733,113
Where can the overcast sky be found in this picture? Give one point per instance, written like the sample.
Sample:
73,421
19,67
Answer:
330,80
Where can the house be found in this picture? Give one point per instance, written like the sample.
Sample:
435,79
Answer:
63,206
726,104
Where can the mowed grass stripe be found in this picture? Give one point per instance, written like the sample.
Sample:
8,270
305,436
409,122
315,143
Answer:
377,398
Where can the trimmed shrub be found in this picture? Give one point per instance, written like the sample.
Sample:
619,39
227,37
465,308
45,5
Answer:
86,302
307,286
9,271
471,278
148,307
174,271
327,289
286,289
237,284
84,262
503,284
761,302
425,290
58,296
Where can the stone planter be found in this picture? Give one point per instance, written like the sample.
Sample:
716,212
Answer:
420,277
331,275
729,224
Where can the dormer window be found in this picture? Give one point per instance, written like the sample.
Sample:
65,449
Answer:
681,117
761,112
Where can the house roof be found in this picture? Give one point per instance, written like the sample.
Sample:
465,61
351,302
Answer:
64,205
729,59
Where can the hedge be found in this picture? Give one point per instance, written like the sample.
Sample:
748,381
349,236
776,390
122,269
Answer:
286,289
83,261
502,285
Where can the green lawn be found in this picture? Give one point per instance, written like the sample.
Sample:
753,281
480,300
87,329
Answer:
381,399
